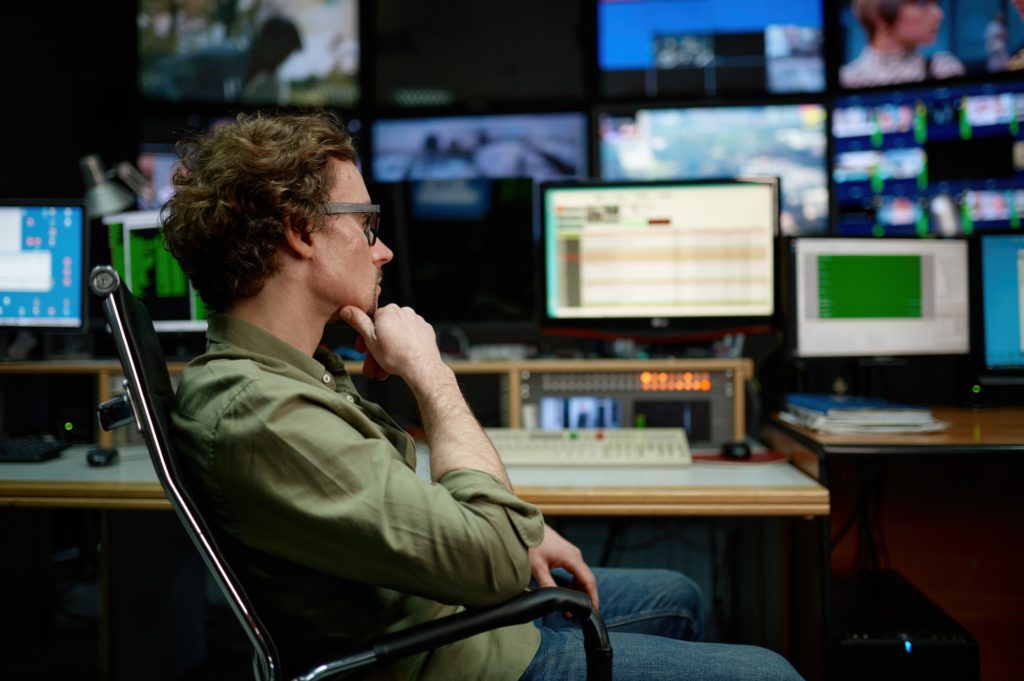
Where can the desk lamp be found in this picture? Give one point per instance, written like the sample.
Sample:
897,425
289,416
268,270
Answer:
104,196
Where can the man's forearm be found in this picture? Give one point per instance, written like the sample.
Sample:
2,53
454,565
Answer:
454,436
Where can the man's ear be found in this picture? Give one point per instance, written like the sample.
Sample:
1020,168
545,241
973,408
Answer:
297,240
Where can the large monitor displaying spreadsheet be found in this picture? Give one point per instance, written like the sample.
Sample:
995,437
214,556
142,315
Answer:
42,264
152,274
659,255
879,297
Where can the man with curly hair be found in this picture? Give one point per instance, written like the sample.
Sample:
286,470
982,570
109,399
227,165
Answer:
313,489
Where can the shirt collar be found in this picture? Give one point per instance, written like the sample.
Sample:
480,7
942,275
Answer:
223,328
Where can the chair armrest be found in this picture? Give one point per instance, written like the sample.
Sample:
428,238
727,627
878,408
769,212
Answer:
525,607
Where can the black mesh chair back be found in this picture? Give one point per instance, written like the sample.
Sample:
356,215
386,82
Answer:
148,401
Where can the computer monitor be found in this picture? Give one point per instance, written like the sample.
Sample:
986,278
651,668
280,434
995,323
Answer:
999,280
157,163
542,146
152,274
283,53
786,141
942,40
939,161
879,297
675,48
659,258
43,254
465,250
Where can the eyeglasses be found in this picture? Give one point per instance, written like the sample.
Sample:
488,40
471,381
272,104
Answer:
372,211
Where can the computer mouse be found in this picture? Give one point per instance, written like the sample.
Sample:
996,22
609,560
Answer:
101,456
736,450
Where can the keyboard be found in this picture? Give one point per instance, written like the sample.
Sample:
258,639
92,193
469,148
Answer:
592,447
30,448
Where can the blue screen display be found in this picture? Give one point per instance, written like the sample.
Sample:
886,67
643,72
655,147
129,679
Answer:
676,47
1002,265
42,266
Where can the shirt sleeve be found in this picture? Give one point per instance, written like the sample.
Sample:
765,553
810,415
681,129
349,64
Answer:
313,480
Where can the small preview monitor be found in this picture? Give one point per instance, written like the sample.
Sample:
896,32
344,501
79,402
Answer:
43,252
931,161
272,53
152,274
652,256
705,48
157,163
542,146
879,297
893,42
785,141
1000,268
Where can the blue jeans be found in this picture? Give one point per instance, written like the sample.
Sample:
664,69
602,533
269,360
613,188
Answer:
655,623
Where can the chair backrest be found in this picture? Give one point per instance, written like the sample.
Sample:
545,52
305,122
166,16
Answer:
151,397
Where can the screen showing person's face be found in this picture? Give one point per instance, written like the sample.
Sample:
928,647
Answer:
917,23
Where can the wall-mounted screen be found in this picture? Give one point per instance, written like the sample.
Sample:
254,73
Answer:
540,146
152,274
941,161
42,264
705,48
879,297
659,255
784,141
893,42
464,249
277,52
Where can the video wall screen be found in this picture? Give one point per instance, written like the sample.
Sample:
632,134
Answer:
784,141
540,146
894,42
931,161
273,52
674,48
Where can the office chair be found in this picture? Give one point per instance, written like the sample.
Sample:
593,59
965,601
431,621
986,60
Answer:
148,399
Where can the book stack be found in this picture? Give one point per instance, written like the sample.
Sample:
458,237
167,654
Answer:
852,414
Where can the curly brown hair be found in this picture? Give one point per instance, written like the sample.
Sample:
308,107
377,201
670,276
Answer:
237,185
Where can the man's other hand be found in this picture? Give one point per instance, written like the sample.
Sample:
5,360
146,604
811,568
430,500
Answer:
557,552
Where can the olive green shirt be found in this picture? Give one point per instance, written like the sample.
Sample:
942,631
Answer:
314,495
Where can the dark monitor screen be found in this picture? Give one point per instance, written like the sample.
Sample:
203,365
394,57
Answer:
653,256
300,54
42,264
927,41
943,161
879,297
1001,275
785,141
676,48
152,274
464,249
541,146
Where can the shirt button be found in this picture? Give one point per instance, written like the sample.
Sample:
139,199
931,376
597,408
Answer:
350,398
327,378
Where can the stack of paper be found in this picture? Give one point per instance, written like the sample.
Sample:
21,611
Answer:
851,414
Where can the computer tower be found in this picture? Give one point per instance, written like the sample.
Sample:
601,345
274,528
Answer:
885,629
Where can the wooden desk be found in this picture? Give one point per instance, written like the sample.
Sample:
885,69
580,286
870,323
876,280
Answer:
699,490
951,514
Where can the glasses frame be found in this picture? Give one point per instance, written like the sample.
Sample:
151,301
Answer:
371,210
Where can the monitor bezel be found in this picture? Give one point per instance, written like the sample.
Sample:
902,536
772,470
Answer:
84,255
987,379
791,311
673,329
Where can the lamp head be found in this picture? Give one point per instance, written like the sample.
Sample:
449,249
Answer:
103,196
